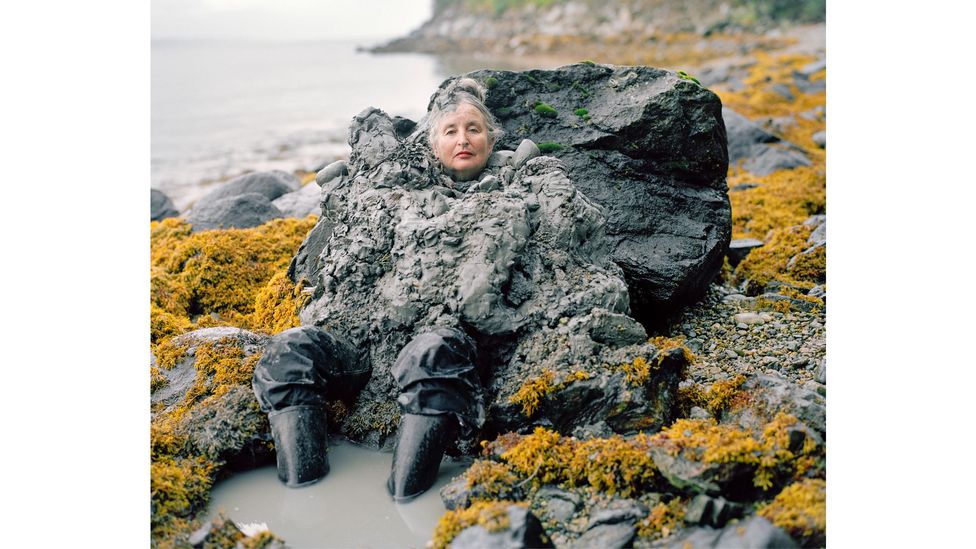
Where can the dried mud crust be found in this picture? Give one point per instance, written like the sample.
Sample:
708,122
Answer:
791,344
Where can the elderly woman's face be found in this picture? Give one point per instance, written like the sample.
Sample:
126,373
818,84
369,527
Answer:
462,144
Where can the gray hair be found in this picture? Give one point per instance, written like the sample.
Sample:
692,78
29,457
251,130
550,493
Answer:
461,91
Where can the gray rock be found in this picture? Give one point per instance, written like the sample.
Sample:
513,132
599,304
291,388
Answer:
770,394
501,158
707,511
713,479
240,211
819,234
757,150
820,138
771,158
606,536
160,206
820,374
784,91
744,187
560,505
332,171
740,248
527,150
814,67
524,530
300,203
270,184
754,532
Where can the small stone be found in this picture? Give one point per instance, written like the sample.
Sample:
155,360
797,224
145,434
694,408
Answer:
731,354
527,150
742,326
748,318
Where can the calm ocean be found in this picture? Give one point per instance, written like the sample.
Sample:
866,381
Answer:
220,109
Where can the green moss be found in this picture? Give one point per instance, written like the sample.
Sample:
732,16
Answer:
545,110
491,82
584,93
581,112
587,62
686,76
503,112
549,147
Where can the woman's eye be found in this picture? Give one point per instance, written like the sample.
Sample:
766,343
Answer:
450,131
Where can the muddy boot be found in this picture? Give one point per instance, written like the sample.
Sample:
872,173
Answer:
301,444
417,454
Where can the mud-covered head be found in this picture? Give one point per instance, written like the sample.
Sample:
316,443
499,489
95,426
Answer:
462,129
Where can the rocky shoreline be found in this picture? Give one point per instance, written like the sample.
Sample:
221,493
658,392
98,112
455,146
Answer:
732,384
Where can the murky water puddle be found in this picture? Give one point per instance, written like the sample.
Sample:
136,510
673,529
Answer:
349,508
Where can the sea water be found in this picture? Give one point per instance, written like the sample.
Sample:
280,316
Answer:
220,109
223,108
350,507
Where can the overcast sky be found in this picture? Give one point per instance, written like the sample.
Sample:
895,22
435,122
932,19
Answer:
287,19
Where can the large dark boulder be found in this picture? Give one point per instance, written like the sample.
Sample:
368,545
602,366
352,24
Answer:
160,206
239,212
646,145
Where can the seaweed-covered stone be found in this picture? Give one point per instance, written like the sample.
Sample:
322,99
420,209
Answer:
523,530
230,428
160,206
769,395
651,152
752,533
181,375
270,184
701,477
238,211
300,203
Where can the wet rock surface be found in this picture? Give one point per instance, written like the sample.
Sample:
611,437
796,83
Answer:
523,530
648,147
233,212
161,206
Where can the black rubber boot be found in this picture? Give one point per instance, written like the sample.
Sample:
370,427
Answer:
417,454
301,443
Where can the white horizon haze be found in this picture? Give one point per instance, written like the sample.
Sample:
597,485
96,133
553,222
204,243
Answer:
286,20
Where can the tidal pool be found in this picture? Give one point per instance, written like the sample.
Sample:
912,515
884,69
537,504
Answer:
349,508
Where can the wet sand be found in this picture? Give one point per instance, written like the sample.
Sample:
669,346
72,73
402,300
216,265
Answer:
350,507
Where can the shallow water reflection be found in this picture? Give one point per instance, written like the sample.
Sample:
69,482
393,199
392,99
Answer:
350,507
